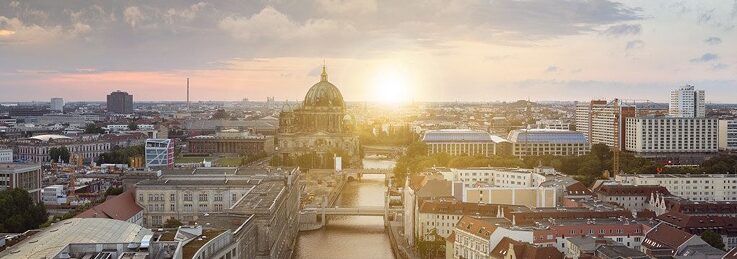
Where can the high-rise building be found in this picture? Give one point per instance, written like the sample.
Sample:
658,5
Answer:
57,104
120,102
728,135
672,140
596,120
687,102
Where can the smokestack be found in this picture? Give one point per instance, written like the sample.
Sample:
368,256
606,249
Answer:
187,93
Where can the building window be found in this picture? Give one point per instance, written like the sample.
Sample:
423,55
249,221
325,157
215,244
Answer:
202,197
187,196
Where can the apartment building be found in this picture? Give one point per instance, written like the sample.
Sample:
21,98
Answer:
694,187
687,102
440,217
596,120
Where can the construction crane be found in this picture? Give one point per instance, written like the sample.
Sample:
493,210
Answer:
615,148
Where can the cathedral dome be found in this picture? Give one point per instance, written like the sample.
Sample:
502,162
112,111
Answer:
323,95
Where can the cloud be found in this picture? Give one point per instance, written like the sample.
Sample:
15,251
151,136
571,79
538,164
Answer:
15,31
551,69
719,66
713,40
186,14
705,16
270,25
623,30
133,16
707,57
635,44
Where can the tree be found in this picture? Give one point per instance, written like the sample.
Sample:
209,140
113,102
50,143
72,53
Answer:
18,211
172,223
57,153
713,239
93,129
114,191
132,126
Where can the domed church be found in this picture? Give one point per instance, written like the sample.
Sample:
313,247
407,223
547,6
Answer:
319,125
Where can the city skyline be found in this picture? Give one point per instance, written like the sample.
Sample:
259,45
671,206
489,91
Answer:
498,51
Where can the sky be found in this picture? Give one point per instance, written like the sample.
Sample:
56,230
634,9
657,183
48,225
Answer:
374,50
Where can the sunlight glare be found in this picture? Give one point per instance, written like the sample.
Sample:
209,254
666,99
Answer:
391,86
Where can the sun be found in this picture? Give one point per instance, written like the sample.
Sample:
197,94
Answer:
391,86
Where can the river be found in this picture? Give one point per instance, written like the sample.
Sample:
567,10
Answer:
352,236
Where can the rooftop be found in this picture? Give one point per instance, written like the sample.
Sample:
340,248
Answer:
552,136
460,135
51,240
121,207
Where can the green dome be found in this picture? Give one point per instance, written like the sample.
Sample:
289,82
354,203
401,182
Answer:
323,94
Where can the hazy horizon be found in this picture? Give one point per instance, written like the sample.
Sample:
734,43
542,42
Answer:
375,50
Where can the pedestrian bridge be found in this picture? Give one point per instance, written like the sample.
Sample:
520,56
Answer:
359,211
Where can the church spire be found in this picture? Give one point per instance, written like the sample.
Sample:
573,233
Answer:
324,75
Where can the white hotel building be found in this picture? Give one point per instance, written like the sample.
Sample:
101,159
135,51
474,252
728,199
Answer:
695,187
672,138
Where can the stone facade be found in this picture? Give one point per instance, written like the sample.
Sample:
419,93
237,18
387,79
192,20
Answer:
320,125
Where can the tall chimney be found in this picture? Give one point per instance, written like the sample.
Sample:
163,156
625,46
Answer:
187,93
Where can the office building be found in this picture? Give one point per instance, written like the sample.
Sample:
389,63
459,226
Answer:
456,142
200,195
728,135
24,176
539,142
57,104
695,187
687,102
120,103
231,141
6,155
672,140
159,153
596,120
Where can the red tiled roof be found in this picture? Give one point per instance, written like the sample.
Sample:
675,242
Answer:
120,207
711,207
665,236
466,208
532,216
632,190
476,227
731,254
524,250
695,224
577,188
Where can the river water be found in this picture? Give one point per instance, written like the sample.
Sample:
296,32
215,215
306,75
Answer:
352,236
